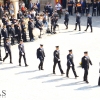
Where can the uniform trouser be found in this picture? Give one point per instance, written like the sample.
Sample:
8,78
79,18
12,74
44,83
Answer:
41,63
9,53
79,10
73,69
66,23
94,12
88,26
85,74
98,11
12,40
4,40
76,26
59,65
18,38
30,34
20,56
59,13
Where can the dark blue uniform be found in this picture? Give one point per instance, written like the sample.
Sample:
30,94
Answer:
94,9
7,47
40,56
66,19
70,64
4,34
89,23
21,53
12,32
78,17
56,55
85,64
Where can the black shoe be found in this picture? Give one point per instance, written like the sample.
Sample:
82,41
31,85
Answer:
11,63
19,64
87,82
0,59
85,30
74,29
26,65
79,30
42,69
67,76
91,31
3,60
54,73
76,76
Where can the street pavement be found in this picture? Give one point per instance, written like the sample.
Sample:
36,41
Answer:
28,83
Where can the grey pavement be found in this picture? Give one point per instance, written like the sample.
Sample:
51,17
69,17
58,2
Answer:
28,83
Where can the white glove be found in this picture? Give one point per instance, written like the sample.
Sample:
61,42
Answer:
58,59
6,51
22,53
71,65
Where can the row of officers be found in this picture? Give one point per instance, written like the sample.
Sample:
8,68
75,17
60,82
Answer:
83,7
78,21
56,58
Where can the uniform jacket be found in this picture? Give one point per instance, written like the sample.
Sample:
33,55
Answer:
85,62
56,55
78,18
40,53
21,49
12,30
89,20
66,16
70,60
7,47
4,33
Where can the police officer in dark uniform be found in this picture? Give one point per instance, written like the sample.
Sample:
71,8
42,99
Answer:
66,19
40,56
94,8
70,7
98,8
87,8
99,78
22,53
70,64
85,64
12,31
89,22
4,33
78,17
57,60
7,47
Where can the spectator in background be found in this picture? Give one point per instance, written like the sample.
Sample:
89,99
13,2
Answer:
30,5
11,8
38,6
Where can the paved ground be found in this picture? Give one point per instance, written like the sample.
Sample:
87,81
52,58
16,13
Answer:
29,83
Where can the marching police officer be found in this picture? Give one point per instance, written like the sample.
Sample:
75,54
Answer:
70,64
78,17
57,60
4,33
66,19
40,56
7,47
12,32
22,53
85,64
89,22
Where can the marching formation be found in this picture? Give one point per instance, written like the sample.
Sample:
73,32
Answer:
15,29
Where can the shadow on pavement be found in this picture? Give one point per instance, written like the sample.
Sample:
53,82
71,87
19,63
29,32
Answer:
42,76
7,68
54,80
70,84
27,72
87,87
77,33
